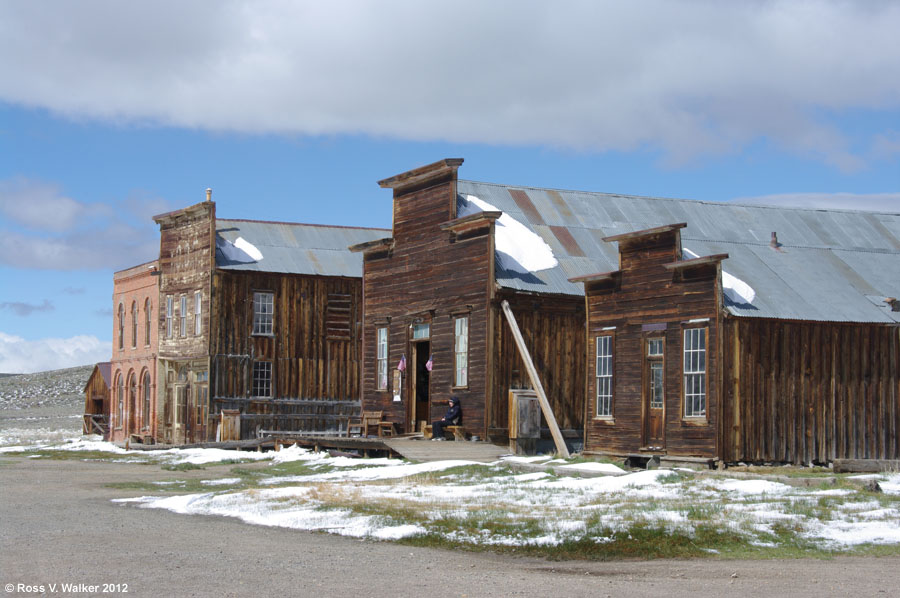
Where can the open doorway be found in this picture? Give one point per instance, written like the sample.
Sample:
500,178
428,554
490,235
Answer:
420,385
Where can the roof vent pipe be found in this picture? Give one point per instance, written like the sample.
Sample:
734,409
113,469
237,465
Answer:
774,244
209,196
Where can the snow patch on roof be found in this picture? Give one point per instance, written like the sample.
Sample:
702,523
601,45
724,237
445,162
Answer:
518,248
736,290
241,251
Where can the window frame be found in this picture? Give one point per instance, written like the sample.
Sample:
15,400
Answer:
689,398
198,313
182,316
607,375
120,401
460,356
134,324
121,315
170,314
259,325
148,321
146,390
268,384
382,381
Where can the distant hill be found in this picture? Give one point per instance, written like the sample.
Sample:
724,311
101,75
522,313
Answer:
51,388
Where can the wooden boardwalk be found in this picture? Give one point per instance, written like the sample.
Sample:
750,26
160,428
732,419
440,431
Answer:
423,451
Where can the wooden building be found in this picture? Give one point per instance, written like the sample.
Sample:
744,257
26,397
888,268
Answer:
133,409
708,339
96,401
432,302
259,325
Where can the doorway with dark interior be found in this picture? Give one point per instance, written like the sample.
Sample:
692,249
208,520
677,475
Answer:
420,386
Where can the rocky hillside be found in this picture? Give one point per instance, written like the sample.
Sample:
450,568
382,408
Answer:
45,389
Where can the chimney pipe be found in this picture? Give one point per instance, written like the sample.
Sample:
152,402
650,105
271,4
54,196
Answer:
774,244
209,196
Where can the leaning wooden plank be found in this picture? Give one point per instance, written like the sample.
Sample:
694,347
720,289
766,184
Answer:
865,465
535,381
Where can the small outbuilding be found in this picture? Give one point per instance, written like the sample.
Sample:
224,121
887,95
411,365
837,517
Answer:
96,401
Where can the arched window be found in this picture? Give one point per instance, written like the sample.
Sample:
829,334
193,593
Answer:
132,401
147,310
121,326
120,400
146,393
134,324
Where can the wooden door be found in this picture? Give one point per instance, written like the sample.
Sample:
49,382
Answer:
654,394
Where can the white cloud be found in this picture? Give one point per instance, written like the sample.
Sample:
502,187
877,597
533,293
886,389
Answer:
687,78
46,230
875,202
20,356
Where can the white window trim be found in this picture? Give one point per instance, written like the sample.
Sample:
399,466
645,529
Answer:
603,375
691,370
460,354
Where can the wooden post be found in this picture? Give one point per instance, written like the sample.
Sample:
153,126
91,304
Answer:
535,381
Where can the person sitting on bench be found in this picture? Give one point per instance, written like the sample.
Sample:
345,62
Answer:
453,417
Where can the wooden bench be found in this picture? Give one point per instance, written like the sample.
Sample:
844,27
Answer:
459,433
366,420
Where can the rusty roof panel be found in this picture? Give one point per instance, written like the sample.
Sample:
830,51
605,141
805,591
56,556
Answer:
524,202
830,264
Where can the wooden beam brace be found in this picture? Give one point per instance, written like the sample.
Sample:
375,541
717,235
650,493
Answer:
535,381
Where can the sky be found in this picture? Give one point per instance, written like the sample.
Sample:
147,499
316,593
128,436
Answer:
111,112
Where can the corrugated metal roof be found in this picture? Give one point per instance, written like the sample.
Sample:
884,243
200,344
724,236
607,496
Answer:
829,266
290,248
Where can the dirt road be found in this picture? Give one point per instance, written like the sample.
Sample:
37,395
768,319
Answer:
57,525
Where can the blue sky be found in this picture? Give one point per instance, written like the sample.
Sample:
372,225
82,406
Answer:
293,110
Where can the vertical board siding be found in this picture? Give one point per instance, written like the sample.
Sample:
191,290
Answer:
553,330
429,276
830,391
315,377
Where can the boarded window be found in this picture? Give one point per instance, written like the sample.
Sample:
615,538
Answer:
337,317
381,374
263,312
604,374
461,350
262,379
695,372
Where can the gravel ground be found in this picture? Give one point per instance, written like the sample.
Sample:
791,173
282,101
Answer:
57,525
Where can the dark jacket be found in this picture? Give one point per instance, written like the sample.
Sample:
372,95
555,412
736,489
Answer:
454,414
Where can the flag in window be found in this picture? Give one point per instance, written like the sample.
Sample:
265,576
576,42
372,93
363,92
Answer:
430,363
402,365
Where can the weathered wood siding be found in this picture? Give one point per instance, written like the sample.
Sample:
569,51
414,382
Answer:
314,350
648,294
553,330
810,392
430,276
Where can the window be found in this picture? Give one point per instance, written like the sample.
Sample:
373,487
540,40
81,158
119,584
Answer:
657,369
182,316
381,373
198,311
132,399
695,372
121,326
146,392
134,324
120,402
262,379
147,321
169,309
461,350
604,373
420,331
263,310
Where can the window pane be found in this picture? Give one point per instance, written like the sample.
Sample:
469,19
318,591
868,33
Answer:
461,350
695,372
262,379
381,366
263,311
604,375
